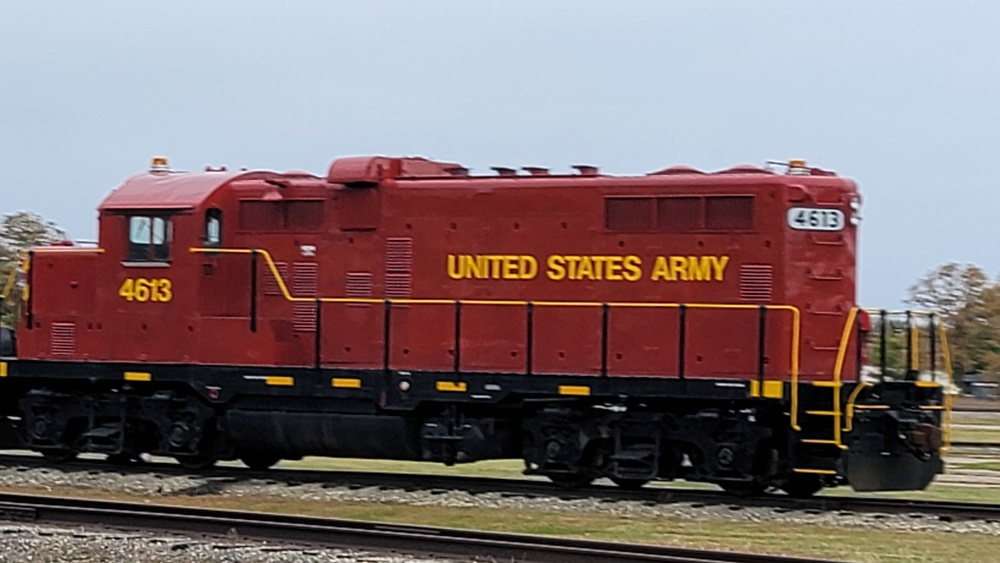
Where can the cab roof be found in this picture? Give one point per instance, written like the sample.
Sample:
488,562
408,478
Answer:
168,190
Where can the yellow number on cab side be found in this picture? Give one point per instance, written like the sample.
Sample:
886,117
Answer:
143,290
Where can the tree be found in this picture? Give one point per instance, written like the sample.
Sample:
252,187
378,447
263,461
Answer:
968,304
18,232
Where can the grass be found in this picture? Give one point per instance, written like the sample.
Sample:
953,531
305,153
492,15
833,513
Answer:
984,434
845,543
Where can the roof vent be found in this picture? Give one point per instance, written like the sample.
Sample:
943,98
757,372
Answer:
503,171
585,169
536,170
459,171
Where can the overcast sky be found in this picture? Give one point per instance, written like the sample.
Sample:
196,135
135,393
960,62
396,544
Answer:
902,96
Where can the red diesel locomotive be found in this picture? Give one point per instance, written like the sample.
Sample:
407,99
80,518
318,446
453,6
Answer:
680,324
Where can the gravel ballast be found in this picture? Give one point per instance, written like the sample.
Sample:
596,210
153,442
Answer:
154,485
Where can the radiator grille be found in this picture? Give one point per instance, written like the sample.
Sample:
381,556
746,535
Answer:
305,283
399,255
63,339
398,268
756,282
398,286
271,286
359,284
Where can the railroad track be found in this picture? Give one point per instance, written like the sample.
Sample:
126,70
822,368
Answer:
654,495
331,533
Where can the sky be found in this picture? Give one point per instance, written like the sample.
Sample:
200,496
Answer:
904,97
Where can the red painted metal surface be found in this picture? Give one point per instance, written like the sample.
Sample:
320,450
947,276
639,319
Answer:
413,228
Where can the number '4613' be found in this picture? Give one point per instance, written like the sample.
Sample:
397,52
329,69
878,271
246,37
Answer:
143,290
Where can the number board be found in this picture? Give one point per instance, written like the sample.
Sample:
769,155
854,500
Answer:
143,290
815,219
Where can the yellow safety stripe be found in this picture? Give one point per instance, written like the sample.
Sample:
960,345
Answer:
137,376
579,390
452,386
280,380
345,383
3,369
815,471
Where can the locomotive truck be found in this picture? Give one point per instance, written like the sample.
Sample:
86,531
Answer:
674,325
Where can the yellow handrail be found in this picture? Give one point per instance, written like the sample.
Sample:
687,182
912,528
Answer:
796,315
948,399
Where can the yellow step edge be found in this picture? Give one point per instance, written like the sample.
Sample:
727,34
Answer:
3,369
827,442
580,390
871,407
927,384
345,383
815,471
280,380
826,384
452,386
824,413
932,408
137,376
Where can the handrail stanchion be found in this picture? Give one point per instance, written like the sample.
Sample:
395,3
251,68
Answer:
604,339
909,345
681,340
860,343
387,323
318,340
761,344
933,344
882,343
30,305
458,337
253,291
529,345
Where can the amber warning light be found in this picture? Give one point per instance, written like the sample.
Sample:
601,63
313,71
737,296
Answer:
159,164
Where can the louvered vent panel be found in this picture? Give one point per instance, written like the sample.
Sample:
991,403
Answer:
756,282
398,285
399,255
63,339
305,283
359,284
305,279
270,284
304,317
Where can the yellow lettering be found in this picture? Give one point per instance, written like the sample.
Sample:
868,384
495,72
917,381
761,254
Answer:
700,269
144,290
586,268
127,290
614,269
557,267
633,270
528,267
455,267
572,261
679,268
719,264
475,267
510,267
661,271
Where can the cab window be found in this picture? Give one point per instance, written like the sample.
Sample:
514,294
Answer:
213,228
149,238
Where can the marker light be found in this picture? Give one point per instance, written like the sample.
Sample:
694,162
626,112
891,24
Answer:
159,164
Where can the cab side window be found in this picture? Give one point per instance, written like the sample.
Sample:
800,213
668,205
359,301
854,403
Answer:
213,228
149,238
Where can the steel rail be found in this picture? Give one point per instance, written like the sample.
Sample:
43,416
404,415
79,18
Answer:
327,532
534,488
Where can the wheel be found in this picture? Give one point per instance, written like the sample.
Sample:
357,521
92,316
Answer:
744,488
196,462
259,462
802,486
59,456
120,459
571,480
629,484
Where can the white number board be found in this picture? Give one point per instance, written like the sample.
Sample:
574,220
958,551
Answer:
815,219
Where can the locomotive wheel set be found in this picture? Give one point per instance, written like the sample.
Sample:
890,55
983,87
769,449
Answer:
677,325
